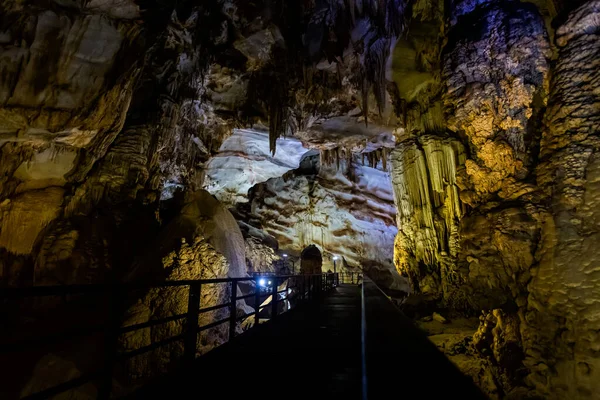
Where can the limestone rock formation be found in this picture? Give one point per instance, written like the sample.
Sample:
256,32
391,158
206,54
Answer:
245,160
564,299
452,142
429,210
496,84
518,248
346,212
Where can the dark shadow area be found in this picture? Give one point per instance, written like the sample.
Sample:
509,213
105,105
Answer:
401,360
315,352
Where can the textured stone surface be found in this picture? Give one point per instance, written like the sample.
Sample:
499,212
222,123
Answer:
25,216
522,247
429,211
494,77
245,160
564,299
194,260
346,212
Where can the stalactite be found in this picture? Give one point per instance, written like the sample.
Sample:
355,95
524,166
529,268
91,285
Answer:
278,116
274,126
375,65
425,189
326,37
384,156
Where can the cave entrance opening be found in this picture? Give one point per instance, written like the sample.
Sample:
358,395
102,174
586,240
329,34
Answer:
311,260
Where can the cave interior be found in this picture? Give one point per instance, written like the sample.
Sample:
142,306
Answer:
445,148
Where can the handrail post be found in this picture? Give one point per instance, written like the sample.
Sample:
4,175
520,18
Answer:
191,329
274,298
257,302
111,340
233,310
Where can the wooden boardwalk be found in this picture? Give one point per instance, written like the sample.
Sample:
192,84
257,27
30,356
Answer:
315,352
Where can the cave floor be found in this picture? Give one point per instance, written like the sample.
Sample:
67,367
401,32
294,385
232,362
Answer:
315,352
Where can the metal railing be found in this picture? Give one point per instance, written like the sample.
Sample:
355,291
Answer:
298,289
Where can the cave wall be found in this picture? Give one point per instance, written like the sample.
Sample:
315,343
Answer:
346,211
564,293
89,132
245,159
107,106
515,85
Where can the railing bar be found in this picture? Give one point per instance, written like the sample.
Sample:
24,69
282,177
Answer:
63,387
150,347
213,308
213,324
61,290
319,283
149,324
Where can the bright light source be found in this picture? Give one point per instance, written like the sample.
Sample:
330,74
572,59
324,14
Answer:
262,282
335,257
269,282
285,255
